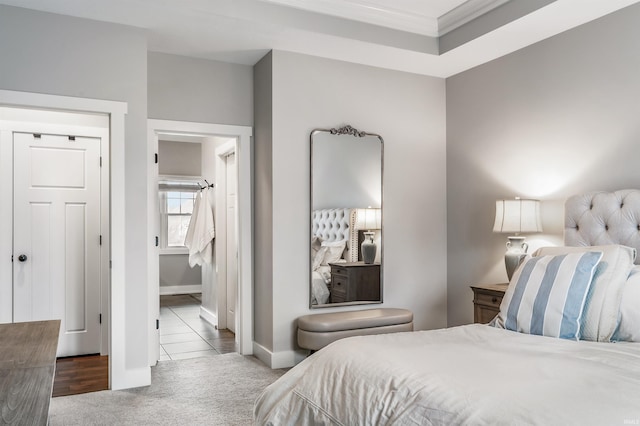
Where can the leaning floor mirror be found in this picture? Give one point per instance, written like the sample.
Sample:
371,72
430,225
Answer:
346,217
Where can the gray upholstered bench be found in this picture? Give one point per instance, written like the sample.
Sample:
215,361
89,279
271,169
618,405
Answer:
318,330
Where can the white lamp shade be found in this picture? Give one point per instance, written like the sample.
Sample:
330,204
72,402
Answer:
369,219
517,216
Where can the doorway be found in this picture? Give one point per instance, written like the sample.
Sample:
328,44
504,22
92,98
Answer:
58,217
240,138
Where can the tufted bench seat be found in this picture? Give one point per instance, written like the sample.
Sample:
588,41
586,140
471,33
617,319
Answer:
318,330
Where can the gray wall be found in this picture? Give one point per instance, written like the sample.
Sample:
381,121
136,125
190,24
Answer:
409,112
175,271
549,121
54,54
189,89
263,201
179,158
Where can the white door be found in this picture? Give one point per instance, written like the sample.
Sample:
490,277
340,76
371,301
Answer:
232,244
56,252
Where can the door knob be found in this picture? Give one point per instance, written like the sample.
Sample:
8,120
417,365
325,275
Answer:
22,257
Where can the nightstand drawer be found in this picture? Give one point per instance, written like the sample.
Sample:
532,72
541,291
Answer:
338,284
488,300
341,270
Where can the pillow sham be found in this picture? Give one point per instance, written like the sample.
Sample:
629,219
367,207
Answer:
629,326
603,300
316,243
547,294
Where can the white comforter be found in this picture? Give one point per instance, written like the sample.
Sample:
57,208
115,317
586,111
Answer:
474,375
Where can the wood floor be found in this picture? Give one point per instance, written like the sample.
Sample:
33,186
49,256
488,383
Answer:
90,373
81,374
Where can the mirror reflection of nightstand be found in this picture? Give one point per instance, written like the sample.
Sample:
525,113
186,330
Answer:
486,301
355,281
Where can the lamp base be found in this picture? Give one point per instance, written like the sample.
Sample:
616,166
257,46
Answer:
368,248
516,252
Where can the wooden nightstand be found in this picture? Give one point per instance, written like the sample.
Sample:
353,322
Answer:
486,301
355,281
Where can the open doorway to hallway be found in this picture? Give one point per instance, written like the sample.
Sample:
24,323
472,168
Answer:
203,321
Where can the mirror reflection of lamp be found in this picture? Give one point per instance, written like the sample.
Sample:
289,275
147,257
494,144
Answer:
518,215
369,219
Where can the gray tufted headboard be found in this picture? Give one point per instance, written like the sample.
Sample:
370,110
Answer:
601,218
337,225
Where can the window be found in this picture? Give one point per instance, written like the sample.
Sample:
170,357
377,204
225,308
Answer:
177,198
179,210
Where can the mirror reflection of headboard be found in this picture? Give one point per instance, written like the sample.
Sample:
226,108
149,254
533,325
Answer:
602,218
337,225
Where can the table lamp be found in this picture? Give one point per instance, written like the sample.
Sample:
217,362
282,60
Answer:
516,216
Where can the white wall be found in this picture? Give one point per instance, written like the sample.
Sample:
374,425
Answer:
549,121
53,54
409,112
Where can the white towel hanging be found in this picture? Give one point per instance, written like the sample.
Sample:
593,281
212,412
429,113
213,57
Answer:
201,231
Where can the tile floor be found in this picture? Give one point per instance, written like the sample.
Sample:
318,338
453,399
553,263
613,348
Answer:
183,334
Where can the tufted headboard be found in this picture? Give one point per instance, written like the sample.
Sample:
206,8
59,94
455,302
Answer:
601,218
337,225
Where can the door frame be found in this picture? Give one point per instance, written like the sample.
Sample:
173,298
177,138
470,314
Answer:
221,218
119,376
242,136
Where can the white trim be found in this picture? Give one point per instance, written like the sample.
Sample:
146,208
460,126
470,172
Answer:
133,378
244,316
173,250
119,376
166,290
285,359
209,316
402,20
6,226
466,13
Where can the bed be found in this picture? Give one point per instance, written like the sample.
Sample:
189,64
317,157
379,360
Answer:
334,239
543,360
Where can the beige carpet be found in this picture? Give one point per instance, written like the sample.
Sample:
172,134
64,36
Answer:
217,390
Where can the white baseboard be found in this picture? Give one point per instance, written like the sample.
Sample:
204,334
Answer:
209,316
284,359
133,378
166,290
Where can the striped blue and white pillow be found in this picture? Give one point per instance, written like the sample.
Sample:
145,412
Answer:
547,294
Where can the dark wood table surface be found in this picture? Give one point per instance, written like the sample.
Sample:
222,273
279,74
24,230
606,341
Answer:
27,367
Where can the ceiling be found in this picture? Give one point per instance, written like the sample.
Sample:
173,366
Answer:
431,37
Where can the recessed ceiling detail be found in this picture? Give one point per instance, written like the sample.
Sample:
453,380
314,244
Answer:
389,34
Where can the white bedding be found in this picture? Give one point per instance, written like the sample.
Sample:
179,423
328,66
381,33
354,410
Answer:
473,374
319,290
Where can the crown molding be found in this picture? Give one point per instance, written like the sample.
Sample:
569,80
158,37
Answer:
363,11
465,13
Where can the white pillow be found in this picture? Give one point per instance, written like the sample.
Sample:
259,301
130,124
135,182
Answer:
629,326
332,251
546,295
603,301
